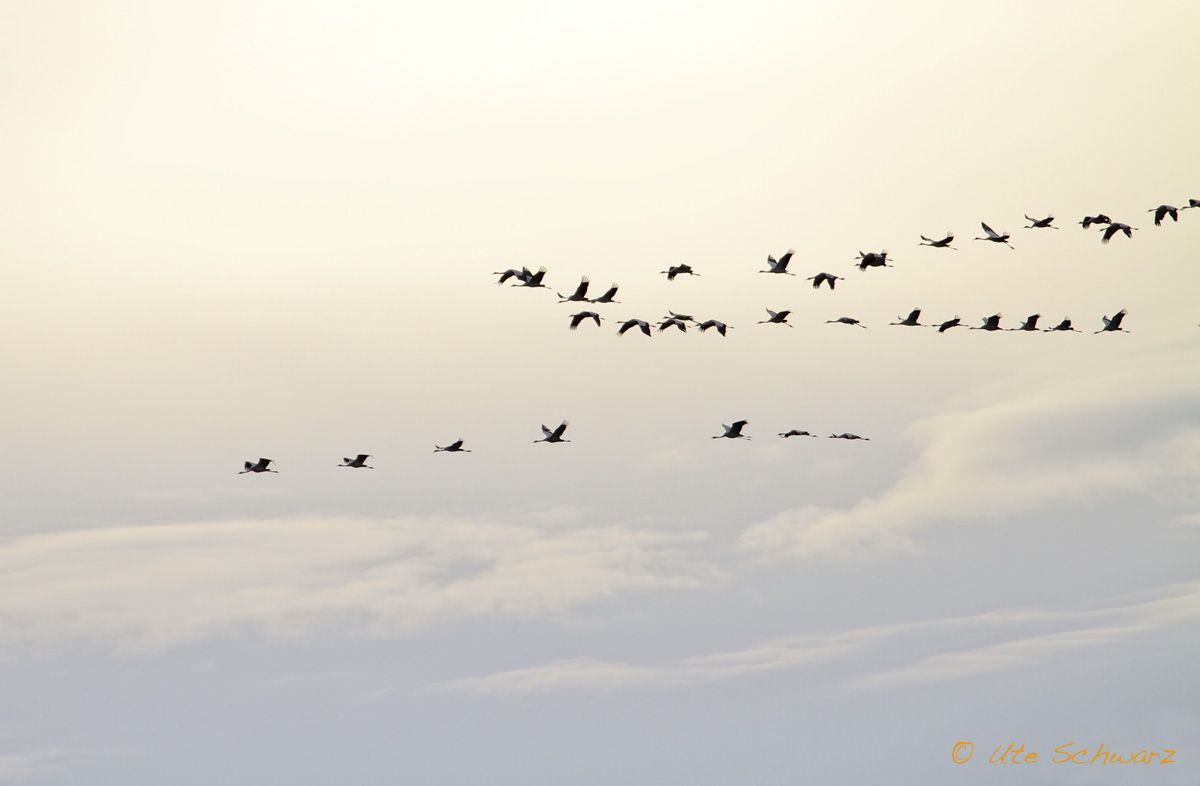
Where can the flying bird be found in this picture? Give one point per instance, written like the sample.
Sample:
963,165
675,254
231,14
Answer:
672,322
534,280
553,436
578,296
845,321
780,265
795,433
847,435
581,316
990,323
1099,218
1040,223
733,431
824,278
949,323
775,318
993,235
716,324
871,259
1030,323
608,296
1114,228
454,447
1162,211
520,275
1191,203
681,317
678,270
358,462
943,243
629,324
262,465
1113,324
1065,325
911,319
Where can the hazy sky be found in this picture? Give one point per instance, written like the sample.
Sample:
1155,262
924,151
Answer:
232,230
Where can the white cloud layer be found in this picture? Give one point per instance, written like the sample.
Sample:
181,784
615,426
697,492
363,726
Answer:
1016,640
158,585
1024,448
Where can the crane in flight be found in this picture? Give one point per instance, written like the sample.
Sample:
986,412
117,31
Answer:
847,435
521,275
553,436
715,324
845,321
733,430
454,447
796,433
358,462
1115,227
1162,211
608,296
943,243
993,235
534,280
1098,219
780,265
1063,326
990,323
581,316
1040,223
824,278
911,320
262,465
776,318
1113,324
949,323
629,324
1030,323
578,296
679,270
671,322
872,259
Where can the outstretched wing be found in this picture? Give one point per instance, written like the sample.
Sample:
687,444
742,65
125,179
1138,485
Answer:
558,432
988,230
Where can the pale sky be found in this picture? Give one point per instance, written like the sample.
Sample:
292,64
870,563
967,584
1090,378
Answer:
233,230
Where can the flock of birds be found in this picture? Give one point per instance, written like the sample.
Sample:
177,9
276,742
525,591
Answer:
524,277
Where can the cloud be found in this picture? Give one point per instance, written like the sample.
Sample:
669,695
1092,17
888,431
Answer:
1015,639
1026,450
153,586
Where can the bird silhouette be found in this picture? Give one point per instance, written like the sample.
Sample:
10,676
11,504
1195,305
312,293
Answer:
553,436
1113,324
943,243
581,316
993,235
262,465
454,447
608,296
780,265
824,278
733,430
578,296
629,324
358,462
775,318
717,325
911,319
1162,211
